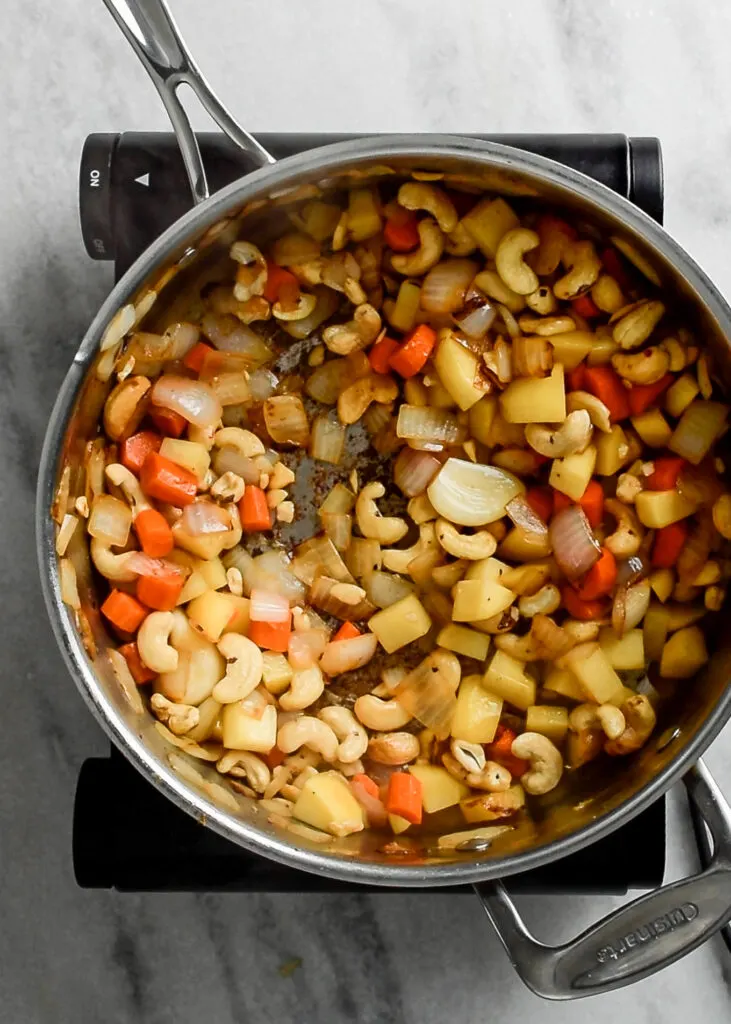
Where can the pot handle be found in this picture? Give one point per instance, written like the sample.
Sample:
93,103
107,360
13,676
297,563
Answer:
635,941
150,30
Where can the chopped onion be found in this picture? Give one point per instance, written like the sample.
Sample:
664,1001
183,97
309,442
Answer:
521,514
319,556
697,429
413,471
631,570
374,808
286,420
322,597
376,417
70,590
239,558
532,357
193,399
262,384
700,484
144,565
110,520
422,423
231,388
270,571
339,528
348,655
230,460
446,284
697,547
477,315
340,500
327,381
384,589
204,517
228,334
328,438
574,546
428,694
267,606
629,606
327,303
306,647
472,494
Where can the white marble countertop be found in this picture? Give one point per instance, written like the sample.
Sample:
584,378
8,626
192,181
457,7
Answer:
68,955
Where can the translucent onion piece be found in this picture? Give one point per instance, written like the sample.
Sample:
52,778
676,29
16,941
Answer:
376,417
446,284
521,514
413,471
262,384
428,693
340,500
326,382
268,606
110,520
193,399
318,556
181,337
472,494
327,303
700,484
143,565
231,388
70,591
328,438
384,589
339,528
532,357
204,517
698,428
574,546
286,420
629,606
321,596
65,533
230,460
374,808
697,548
477,315
631,570
421,423
270,571
347,655
306,648
228,334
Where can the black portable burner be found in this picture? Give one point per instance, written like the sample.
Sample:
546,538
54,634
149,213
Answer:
126,835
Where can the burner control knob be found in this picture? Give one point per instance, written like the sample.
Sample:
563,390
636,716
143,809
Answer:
95,195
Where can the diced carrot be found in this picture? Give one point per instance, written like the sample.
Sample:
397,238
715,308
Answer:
347,631
607,385
162,590
380,354
575,378
255,514
139,671
167,421
134,451
580,609
502,742
615,267
417,346
540,500
272,636
164,480
368,784
273,758
124,611
156,537
669,542
277,278
515,765
404,797
401,232
666,473
641,396
549,221
592,502
585,306
600,579
194,359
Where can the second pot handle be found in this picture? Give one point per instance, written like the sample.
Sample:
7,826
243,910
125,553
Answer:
635,941
151,32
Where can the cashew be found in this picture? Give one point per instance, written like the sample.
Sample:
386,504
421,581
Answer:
420,196
628,487
179,718
646,367
542,301
153,642
546,763
509,262
583,746
606,717
545,602
607,295
501,623
470,755
640,718
229,486
572,437
380,715
244,668
421,510
598,412
122,477
460,242
244,441
491,777
545,640
637,323
494,778
580,632
626,540
244,764
355,399
374,526
445,576
474,546
393,748
355,335
342,273
495,288
125,407
203,435
584,267
348,593
305,688
110,565
431,247
399,559
308,732
199,667
714,598
305,305
353,737
546,326
249,282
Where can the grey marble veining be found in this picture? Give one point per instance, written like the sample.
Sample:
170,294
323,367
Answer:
72,957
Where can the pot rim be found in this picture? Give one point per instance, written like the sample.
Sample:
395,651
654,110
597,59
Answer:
323,161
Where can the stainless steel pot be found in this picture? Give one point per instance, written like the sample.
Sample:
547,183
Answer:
638,939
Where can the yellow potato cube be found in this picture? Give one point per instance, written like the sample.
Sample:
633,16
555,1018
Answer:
403,314
398,824
210,614
683,654
625,653
564,683
277,672
327,803
655,628
480,808
458,370
656,509
438,788
486,569
488,221
570,348
548,720
481,417
239,621
596,676
205,545
680,394
477,714
213,572
535,400
662,582
612,451
188,454
463,640
506,678
479,599
521,545
653,428
572,474
243,731
193,587
401,623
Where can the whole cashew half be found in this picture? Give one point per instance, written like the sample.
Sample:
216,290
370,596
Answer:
244,764
584,267
179,718
640,718
199,667
627,539
305,688
244,441
124,478
597,410
474,546
606,717
572,437
637,323
414,195
109,564
355,335
394,748
645,367
398,559
381,715
308,732
509,262
431,247
545,641
374,526
249,282
244,668
546,763
353,737
153,642
546,601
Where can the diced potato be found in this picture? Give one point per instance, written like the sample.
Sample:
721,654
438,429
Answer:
481,417
521,545
193,587
548,720
463,640
572,474
244,731
653,428
683,654
327,803
680,394
602,351
598,679
656,509
204,546
480,808
505,435
479,599
488,221
697,429
438,788
277,672
458,369
662,582
564,683
239,621
655,630
624,653
570,348
438,396
527,579
364,215
400,623
506,678
612,451
213,573
681,615
535,400
477,714
188,454
403,314
363,556
398,824
486,569
211,613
